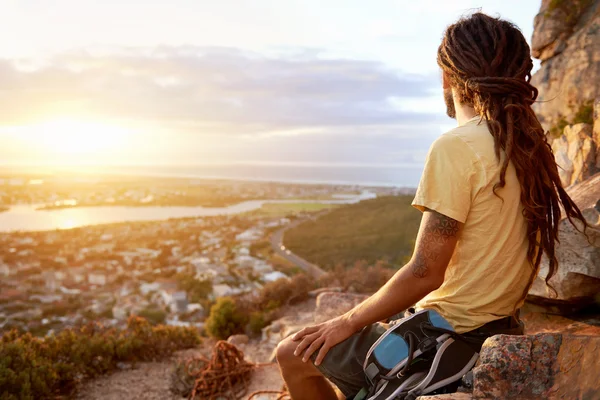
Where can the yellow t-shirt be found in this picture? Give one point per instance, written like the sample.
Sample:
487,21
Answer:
489,271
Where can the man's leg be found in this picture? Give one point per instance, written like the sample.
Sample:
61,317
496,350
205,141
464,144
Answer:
303,379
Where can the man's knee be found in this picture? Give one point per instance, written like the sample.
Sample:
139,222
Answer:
285,351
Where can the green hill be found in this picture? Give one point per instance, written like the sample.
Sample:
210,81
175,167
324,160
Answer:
384,228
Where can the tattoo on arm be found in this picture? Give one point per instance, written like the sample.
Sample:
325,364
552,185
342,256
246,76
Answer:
438,230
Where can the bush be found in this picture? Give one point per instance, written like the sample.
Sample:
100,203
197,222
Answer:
360,278
585,113
34,368
283,291
572,9
257,322
557,130
225,319
197,290
154,315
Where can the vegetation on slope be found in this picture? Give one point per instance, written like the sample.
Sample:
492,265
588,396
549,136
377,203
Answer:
251,313
384,228
584,114
41,368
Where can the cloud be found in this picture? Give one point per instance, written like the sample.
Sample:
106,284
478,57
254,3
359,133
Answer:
214,90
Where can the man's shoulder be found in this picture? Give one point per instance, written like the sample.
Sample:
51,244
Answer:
472,139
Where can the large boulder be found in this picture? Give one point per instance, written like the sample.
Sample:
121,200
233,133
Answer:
566,39
577,280
575,153
586,194
596,133
546,366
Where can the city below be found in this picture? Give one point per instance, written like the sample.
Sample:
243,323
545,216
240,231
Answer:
165,267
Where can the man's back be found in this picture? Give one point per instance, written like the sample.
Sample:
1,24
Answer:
489,271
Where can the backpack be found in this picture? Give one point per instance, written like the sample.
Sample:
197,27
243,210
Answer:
415,356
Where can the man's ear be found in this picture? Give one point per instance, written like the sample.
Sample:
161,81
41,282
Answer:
445,81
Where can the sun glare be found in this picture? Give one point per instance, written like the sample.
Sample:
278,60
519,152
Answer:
76,137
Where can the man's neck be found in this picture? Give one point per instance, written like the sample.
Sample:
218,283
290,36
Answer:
464,113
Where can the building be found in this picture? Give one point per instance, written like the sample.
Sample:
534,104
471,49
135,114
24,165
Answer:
179,302
50,281
222,290
97,278
250,235
273,276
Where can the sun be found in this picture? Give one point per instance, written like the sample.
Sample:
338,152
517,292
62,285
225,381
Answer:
76,137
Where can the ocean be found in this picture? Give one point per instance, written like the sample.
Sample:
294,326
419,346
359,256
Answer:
364,175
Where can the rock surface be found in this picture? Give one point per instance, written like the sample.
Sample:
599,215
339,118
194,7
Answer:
333,304
452,396
596,132
146,380
540,319
575,153
546,366
238,340
567,41
577,281
586,194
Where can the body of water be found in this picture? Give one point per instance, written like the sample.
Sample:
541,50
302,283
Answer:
366,175
27,218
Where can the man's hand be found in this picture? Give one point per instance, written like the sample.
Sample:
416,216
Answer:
324,336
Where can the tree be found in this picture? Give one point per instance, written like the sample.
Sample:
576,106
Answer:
154,315
225,319
196,289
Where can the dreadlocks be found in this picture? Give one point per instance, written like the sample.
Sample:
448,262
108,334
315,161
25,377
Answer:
488,64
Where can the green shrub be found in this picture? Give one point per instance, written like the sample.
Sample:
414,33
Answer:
585,114
283,291
225,319
558,129
154,315
257,322
361,278
36,368
197,290
572,9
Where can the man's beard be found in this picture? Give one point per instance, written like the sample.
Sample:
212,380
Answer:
449,100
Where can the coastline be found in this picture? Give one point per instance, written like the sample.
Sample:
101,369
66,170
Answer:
216,203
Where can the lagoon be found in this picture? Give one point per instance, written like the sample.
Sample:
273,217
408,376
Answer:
28,218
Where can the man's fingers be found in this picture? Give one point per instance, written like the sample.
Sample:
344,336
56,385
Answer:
308,339
314,346
322,353
305,331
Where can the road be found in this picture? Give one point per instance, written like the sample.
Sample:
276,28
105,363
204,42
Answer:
277,245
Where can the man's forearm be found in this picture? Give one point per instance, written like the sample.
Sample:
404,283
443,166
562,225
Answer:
403,290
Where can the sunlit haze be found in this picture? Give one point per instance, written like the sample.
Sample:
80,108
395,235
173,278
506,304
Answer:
194,82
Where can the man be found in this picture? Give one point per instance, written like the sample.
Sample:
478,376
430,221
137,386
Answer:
490,195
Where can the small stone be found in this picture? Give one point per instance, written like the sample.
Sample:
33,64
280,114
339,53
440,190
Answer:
316,292
238,340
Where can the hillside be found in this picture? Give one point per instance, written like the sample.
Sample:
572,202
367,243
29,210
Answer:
379,229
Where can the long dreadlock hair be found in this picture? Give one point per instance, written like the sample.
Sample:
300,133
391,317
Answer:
488,64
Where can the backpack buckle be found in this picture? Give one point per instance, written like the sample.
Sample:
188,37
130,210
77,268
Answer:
427,344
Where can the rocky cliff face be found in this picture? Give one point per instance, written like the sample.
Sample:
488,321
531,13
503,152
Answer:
566,39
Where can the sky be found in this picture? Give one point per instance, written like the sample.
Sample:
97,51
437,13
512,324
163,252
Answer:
229,81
